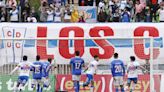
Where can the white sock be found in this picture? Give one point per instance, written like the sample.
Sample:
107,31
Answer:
133,86
16,89
91,89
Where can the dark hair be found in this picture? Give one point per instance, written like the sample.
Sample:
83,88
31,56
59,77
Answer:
95,56
37,57
24,58
132,58
49,60
77,53
115,55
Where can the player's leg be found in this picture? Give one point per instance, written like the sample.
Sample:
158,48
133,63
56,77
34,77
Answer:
76,79
116,84
134,83
92,83
39,85
18,83
87,81
121,83
23,82
46,82
33,85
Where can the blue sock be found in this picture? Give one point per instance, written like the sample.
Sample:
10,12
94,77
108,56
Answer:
122,90
38,88
117,90
76,86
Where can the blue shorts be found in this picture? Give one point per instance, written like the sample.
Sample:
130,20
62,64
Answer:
23,79
89,78
132,79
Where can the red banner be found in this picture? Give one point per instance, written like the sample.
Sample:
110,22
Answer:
104,83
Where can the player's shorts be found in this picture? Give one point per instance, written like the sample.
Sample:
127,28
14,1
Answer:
132,79
36,81
89,77
23,79
46,81
118,80
76,77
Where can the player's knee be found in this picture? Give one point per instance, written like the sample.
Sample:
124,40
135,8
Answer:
121,86
18,84
92,83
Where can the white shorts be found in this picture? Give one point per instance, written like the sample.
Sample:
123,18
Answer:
46,81
76,77
118,80
36,81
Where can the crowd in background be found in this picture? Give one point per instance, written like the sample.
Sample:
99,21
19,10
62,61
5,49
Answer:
66,10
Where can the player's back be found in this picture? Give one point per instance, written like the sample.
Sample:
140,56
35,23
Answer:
133,69
24,68
37,69
76,64
46,69
92,67
117,67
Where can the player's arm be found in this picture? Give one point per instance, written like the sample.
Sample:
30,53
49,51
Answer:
16,68
112,69
141,67
123,67
86,68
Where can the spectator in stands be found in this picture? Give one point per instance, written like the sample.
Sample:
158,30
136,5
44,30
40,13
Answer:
101,6
148,15
34,13
43,12
14,14
123,4
2,14
2,3
116,16
125,16
26,11
102,15
63,2
74,15
50,14
161,12
138,10
11,3
57,17
67,14
71,2
81,19
31,19
154,8
108,11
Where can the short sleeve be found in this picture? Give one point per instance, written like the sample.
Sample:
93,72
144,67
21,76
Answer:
136,63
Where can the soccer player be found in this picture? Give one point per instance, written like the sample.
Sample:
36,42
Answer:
90,71
76,66
37,74
45,75
132,70
24,72
118,72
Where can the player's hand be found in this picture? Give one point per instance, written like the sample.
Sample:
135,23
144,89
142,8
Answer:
114,78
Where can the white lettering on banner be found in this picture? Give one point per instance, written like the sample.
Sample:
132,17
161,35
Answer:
10,85
62,50
0,85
